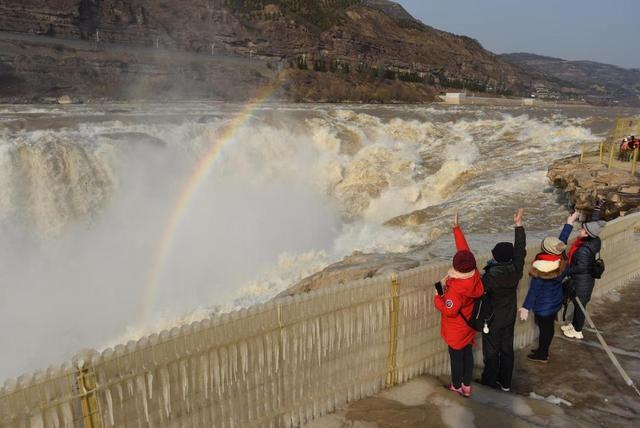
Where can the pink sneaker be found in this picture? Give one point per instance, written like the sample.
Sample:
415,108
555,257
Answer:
458,390
466,390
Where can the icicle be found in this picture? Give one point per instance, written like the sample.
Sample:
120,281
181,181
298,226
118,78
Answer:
214,363
244,355
204,375
233,359
184,379
318,341
120,392
67,414
107,397
51,416
285,343
276,351
268,354
166,390
150,384
223,368
37,421
142,393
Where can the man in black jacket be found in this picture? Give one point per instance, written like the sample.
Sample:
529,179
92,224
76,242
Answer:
500,279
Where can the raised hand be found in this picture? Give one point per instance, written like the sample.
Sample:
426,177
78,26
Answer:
455,219
517,217
573,217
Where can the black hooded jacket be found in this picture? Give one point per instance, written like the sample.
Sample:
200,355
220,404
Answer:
581,266
583,261
501,282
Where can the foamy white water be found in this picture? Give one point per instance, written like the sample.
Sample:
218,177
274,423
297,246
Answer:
86,192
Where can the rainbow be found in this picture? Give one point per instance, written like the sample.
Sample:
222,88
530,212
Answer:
193,184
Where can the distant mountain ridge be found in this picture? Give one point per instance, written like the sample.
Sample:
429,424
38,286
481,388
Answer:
597,82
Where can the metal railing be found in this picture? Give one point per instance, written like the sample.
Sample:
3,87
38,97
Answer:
281,363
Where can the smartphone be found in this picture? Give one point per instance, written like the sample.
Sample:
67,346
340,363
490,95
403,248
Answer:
439,290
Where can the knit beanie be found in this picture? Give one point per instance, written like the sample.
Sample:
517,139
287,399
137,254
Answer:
464,261
552,245
503,252
593,228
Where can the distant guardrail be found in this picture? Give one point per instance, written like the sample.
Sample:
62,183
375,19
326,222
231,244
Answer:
277,364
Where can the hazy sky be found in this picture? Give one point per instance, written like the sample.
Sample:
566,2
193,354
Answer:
597,30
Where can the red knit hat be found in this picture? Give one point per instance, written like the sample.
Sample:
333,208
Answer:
464,261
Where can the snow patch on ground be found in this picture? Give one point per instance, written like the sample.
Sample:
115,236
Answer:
550,399
410,394
452,413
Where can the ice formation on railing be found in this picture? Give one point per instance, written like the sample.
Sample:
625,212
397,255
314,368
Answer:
278,364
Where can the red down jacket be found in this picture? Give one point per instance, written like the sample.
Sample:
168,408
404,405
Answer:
461,291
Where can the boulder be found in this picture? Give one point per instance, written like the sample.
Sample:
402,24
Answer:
585,183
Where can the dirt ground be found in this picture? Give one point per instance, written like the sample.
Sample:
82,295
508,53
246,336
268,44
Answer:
582,387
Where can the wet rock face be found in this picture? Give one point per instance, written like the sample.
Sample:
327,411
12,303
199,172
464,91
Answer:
587,182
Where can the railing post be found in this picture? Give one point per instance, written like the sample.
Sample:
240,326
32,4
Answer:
392,374
634,162
86,379
582,153
611,156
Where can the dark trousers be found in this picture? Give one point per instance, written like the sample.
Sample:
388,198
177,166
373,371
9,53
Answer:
497,353
578,315
461,365
545,324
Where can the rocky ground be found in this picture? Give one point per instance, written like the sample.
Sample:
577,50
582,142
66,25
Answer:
585,182
579,387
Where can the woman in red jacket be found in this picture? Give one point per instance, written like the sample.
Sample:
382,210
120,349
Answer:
461,287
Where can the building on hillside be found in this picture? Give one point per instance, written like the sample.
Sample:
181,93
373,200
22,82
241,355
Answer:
455,97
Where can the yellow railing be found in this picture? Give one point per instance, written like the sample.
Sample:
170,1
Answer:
278,364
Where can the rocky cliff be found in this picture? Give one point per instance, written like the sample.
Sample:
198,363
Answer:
363,44
585,183
596,82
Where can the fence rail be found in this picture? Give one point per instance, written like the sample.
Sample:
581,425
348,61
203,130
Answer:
278,364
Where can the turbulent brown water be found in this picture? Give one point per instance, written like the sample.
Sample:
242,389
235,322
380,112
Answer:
86,193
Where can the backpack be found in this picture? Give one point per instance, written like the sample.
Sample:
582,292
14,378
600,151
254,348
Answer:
482,314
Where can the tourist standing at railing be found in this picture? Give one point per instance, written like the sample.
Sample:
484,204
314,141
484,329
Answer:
458,291
622,153
501,277
582,258
545,294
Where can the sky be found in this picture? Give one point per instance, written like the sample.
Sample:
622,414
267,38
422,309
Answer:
597,30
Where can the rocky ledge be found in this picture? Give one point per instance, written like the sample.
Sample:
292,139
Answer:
356,266
584,183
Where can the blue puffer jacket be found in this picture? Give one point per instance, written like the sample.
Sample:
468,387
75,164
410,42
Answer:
545,289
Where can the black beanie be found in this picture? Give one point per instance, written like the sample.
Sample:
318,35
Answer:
503,252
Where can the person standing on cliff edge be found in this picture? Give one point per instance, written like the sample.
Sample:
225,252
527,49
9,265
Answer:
501,277
456,294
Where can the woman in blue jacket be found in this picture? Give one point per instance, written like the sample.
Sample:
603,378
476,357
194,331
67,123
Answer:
545,290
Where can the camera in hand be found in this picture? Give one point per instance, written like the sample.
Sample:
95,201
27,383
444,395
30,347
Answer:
439,289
